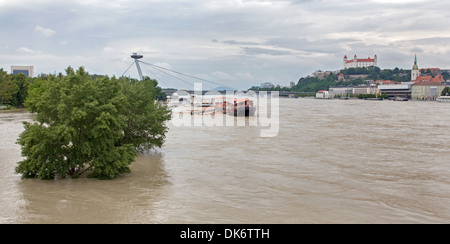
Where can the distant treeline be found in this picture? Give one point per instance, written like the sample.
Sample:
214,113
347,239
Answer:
375,73
14,88
314,84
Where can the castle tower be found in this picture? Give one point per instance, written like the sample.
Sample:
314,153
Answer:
415,70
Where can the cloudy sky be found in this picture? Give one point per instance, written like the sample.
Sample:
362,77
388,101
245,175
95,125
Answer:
238,43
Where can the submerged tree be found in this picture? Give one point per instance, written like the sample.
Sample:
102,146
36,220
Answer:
86,125
144,118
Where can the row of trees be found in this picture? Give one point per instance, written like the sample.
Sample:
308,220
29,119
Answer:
86,125
314,84
13,89
375,73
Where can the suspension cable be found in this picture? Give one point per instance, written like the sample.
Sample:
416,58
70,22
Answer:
155,75
159,69
190,76
127,69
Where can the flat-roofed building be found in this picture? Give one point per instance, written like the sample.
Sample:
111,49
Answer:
341,91
396,90
364,90
28,71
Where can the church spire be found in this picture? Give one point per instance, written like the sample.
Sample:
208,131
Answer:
415,70
415,63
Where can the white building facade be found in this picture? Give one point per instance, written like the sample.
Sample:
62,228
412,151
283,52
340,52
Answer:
360,63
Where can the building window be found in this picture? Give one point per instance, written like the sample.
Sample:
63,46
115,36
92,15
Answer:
433,91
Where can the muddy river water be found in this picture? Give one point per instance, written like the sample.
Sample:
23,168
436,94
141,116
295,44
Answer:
332,162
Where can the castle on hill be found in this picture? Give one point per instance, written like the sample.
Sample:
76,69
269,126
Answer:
360,63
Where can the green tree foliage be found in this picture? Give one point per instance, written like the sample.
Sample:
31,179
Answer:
145,118
314,84
8,88
86,125
446,75
22,83
13,89
446,91
366,96
375,73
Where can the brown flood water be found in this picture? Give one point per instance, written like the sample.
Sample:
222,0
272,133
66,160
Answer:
332,162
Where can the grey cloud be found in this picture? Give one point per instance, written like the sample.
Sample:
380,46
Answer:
233,42
432,40
304,45
305,34
265,51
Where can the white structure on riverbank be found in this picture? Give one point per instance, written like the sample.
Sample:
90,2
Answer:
341,91
323,95
444,99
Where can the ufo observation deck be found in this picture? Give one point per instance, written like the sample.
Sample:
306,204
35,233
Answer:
136,56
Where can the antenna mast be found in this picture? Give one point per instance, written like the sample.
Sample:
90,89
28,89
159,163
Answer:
136,58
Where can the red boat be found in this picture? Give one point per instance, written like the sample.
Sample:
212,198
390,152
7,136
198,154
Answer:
221,105
241,107
237,107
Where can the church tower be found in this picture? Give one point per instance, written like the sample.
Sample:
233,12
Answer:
415,70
